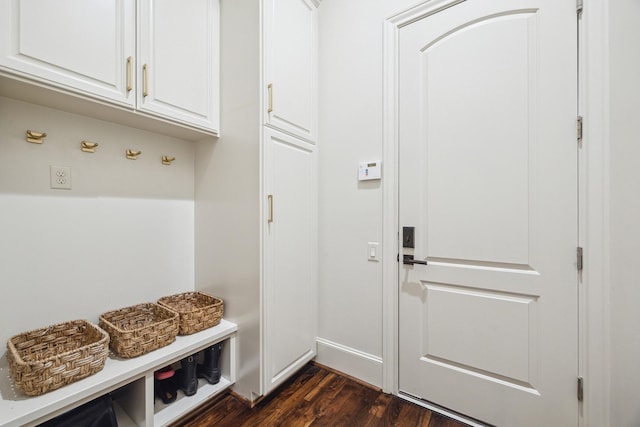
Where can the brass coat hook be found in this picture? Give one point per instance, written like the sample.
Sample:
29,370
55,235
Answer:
166,160
88,147
36,137
133,155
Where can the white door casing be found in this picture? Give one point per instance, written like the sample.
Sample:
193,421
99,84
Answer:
488,176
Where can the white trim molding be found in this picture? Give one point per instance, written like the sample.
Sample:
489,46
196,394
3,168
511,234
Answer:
594,213
356,363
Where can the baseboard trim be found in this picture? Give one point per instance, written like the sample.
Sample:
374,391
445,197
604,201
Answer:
349,377
361,366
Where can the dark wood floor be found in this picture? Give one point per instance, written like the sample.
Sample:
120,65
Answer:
317,397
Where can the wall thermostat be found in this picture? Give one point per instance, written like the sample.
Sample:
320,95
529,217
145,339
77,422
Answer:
370,170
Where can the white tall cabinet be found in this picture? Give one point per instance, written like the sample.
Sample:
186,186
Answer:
289,256
256,189
290,66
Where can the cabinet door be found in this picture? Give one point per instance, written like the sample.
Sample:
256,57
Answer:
178,60
290,53
289,282
78,45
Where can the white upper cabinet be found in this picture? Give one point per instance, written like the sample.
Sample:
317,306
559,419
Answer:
79,45
164,64
290,28
178,60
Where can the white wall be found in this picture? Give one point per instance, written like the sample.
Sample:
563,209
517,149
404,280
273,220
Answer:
350,214
624,211
122,235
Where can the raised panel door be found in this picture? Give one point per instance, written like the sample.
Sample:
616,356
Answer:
178,61
289,257
290,32
488,322
86,47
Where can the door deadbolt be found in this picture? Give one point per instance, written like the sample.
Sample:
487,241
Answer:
408,237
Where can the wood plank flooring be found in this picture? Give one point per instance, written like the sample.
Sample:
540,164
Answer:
317,397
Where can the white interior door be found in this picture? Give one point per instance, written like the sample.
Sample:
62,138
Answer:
488,178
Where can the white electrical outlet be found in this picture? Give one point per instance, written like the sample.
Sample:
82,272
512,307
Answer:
61,177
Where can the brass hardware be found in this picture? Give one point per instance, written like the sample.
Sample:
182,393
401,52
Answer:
166,160
132,155
145,80
270,98
88,147
36,137
129,74
270,199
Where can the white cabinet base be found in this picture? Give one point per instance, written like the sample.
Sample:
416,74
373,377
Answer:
130,380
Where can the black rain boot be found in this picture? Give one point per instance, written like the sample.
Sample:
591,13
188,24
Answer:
165,384
187,380
210,370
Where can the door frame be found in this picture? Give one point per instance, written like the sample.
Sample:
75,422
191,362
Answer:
593,203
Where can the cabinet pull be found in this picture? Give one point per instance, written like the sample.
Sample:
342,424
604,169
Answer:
129,74
270,198
270,98
145,80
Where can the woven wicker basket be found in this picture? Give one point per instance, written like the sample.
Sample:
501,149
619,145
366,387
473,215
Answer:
197,311
139,329
49,358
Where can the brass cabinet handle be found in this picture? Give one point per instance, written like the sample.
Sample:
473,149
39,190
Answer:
270,199
129,74
270,98
145,80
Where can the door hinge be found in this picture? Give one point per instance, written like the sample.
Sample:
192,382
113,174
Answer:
398,258
580,389
579,6
579,129
579,258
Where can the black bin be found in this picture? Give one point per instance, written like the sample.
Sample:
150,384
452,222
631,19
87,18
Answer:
97,413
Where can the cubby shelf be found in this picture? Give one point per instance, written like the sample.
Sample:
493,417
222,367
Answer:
130,380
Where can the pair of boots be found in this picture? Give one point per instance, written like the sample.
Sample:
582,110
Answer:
187,377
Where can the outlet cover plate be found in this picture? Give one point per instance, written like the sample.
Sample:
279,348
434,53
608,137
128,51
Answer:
60,177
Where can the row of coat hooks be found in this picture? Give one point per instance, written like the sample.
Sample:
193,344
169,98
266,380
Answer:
90,147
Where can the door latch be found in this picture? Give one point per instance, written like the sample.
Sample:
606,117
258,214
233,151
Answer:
408,260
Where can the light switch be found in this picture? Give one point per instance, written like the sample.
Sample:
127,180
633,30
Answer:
374,248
